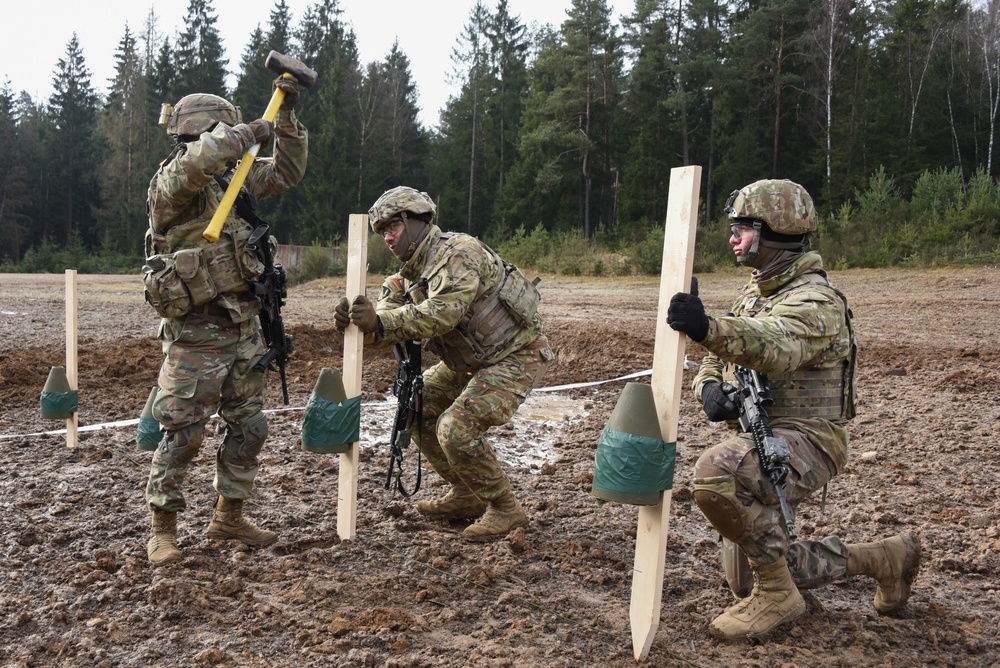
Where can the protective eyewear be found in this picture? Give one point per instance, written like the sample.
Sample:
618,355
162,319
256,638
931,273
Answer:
393,227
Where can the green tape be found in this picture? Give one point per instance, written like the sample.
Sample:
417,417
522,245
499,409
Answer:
329,427
59,405
149,434
632,469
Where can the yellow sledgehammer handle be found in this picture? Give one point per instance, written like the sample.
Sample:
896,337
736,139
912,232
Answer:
219,218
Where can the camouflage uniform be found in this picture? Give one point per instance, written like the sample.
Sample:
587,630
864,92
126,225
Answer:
462,397
209,352
792,322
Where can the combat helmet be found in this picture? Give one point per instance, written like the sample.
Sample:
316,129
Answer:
780,211
400,200
784,205
198,113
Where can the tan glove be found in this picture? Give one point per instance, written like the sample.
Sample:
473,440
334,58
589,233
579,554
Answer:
291,92
363,314
261,130
341,315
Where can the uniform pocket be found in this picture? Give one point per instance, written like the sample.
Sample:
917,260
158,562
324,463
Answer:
175,383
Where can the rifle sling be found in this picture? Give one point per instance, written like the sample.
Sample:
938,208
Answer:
246,204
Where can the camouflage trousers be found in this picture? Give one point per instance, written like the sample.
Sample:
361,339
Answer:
460,406
207,366
732,470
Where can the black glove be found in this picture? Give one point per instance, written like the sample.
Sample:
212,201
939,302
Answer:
719,402
363,314
686,314
341,314
291,92
261,130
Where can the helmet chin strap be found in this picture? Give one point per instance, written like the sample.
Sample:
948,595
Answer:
760,241
751,254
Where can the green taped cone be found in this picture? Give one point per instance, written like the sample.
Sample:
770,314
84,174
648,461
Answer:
322,423
58,401
635,412
330,385
633,464
150,432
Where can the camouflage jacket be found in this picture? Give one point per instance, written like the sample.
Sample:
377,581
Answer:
796,321
183,196
460,271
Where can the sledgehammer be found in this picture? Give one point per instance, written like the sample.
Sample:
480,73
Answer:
290,68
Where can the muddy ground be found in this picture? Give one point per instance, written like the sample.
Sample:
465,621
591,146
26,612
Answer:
76,589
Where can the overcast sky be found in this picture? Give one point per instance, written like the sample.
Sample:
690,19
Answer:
36,33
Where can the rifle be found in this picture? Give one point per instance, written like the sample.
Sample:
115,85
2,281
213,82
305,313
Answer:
271,289
409,391
754,396
408,388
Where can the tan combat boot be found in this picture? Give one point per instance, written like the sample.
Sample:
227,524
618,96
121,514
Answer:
459,503
162,546
228,523
500,517
773,601
893,562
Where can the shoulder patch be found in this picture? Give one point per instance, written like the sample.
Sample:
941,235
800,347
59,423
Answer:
435,282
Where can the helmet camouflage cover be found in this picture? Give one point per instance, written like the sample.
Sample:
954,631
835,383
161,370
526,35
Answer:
784,205
397,200
200,112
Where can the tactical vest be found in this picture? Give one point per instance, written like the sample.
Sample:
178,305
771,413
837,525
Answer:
184,270
816,392
494,319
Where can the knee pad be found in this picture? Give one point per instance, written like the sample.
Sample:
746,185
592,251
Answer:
716,496
244,441
178,447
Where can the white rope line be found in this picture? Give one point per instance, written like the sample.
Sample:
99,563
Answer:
382,404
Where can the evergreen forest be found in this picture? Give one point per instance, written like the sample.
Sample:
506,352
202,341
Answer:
557,143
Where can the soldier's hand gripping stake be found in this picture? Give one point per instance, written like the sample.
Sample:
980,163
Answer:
292,69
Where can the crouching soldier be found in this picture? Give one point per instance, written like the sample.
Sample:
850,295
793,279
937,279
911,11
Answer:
478,314
790,323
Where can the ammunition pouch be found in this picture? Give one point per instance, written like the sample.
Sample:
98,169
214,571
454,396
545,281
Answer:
177,282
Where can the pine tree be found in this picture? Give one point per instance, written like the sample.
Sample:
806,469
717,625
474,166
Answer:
328,193
199,61
407,141
124,172
71,148
477,138
14,191
564,172
34,125
253,89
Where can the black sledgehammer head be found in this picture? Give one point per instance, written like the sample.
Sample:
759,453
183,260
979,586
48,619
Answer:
282,64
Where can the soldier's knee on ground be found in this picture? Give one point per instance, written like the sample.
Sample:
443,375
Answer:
178,447
244,441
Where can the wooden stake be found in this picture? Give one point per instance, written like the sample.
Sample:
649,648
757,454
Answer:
357,271
72,341
667,383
